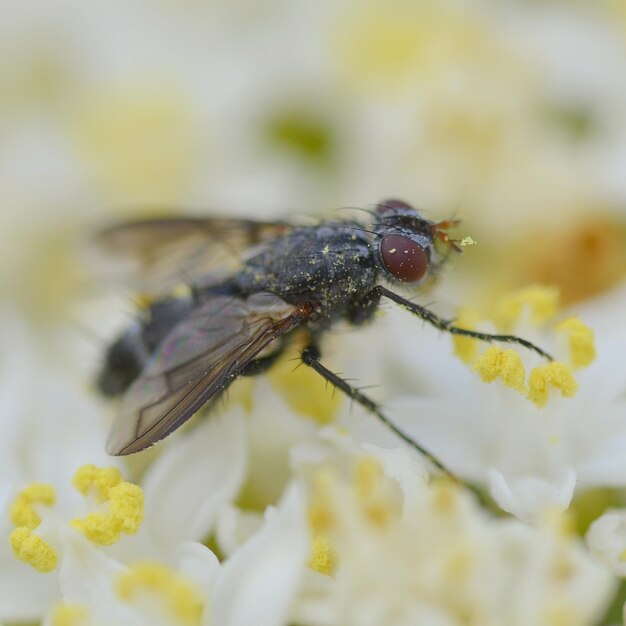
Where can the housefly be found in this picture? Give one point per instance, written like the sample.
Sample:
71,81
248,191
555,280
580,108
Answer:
242,309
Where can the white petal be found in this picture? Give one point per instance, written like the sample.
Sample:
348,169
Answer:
530,497
446,428
198,563
404,466
274,431
65,432
87,577
196,476
604,463
258,583
25,595
234,527
606,538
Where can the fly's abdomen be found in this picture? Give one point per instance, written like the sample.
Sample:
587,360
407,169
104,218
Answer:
126,358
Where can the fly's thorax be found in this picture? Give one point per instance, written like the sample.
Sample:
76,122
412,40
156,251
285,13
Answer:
328,264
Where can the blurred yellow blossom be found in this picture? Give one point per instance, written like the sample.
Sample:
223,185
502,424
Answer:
140,143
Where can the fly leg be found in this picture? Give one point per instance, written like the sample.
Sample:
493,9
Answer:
448,325
311,357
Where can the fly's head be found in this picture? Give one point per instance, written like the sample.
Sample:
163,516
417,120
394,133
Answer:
406,241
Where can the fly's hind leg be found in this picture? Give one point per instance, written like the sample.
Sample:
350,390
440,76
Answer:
311,357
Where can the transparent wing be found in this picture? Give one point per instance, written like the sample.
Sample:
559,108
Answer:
155,255
199,358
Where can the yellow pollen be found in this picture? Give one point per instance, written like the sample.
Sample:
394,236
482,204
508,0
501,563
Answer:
466,348
555,374
305,392
445,496
127,506
22,511
321,512
378,511
99,528
376,504
96,480
580,339
543,302
505,364
124,513
467,241
322,558
69,615
368,475
32,549
321,517
178,594
622,555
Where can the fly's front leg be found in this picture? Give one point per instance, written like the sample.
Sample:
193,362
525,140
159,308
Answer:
448,325
311,357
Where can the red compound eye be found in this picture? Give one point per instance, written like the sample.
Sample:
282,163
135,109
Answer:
405,259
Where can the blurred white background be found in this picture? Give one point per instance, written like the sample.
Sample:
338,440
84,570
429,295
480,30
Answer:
510,115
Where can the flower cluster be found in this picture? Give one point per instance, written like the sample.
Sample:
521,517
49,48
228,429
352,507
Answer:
399,550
